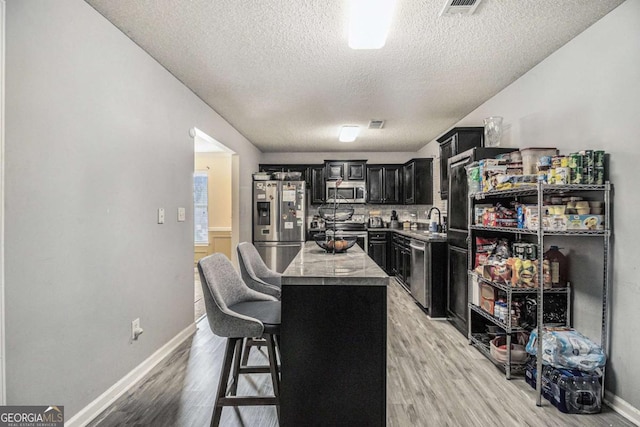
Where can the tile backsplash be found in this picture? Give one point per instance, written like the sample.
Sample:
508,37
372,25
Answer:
403,212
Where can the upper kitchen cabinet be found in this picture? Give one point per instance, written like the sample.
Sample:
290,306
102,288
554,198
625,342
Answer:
418,182
456,141
317,184
384,184
351,170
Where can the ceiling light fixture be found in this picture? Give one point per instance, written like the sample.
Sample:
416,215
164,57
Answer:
349,133
369,23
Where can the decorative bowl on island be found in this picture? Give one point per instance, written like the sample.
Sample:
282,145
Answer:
335,245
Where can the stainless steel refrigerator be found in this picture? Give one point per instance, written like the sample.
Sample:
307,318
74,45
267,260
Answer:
278,221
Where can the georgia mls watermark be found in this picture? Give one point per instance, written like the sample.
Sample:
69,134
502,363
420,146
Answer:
31,416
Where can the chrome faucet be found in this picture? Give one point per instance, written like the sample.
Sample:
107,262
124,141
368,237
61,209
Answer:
439,229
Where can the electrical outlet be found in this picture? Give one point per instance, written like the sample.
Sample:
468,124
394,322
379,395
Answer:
136,330
160,215
182,214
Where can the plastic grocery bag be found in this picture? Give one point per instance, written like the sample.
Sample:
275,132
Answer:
566,348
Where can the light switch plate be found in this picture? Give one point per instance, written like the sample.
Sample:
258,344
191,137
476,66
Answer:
182,214
160,215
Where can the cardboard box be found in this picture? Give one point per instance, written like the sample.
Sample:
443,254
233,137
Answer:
487,297
585,222
549,222
475,291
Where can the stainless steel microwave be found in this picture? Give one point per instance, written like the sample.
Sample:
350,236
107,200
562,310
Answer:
347,191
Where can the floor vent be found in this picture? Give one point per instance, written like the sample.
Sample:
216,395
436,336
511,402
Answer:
459,7
376,124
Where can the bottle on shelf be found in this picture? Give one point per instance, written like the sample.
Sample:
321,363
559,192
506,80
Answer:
557,267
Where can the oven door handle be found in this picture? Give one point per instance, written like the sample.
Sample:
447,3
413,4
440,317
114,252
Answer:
418,248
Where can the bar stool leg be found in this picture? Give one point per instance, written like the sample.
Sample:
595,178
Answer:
273,368
245,351
224,378
236,367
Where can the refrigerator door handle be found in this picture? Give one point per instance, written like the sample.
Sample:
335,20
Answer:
459,163
277,200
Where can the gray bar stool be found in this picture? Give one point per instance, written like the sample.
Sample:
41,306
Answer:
236,312
255,272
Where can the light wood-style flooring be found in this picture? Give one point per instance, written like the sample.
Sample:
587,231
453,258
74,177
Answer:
434,378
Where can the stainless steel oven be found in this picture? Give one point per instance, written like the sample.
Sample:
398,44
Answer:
347,191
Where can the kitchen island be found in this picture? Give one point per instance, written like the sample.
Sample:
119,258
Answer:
333,339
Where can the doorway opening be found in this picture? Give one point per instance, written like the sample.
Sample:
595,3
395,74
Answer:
212,204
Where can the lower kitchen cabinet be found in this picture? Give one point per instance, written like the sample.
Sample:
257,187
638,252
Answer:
457,292
379,249
401,259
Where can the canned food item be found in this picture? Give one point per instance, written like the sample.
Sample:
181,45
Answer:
519,250
587,158
598,158
598,178
564,162
531,251
576,175
562,175
589,176
576,160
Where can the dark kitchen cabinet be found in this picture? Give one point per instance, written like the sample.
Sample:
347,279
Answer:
401,259
379,248
396,253
317,184
418,182
406,264
384,184
457,292
456,141
348,170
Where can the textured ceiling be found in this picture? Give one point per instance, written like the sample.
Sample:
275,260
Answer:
281,73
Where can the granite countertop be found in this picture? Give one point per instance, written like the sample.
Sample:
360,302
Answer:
314,266
424,235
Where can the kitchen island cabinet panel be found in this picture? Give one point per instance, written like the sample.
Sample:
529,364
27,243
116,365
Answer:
333,339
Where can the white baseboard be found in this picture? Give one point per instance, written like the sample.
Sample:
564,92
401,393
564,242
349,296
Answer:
622,407
103,401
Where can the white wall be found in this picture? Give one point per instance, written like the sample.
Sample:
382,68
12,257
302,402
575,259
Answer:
586,96
97,138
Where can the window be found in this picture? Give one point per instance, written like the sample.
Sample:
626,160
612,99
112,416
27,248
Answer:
201,208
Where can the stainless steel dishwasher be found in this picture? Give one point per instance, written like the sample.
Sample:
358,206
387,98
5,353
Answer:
419,259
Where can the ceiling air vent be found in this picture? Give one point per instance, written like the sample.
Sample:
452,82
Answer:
459,7
376,124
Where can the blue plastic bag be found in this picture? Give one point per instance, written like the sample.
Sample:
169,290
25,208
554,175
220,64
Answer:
566,348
